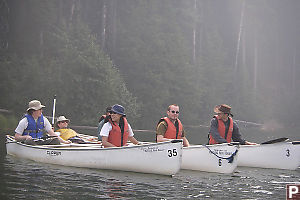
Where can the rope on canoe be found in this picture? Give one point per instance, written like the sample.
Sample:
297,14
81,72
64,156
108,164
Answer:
230,158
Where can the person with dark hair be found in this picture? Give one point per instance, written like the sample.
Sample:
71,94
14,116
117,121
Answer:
117,131
170,127
33,127
223,129
103,119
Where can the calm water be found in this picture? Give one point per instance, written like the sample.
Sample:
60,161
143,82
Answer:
24,179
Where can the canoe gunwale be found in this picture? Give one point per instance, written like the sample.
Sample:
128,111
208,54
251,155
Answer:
211,145
84,147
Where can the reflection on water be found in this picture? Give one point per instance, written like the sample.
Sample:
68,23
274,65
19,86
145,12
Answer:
24,179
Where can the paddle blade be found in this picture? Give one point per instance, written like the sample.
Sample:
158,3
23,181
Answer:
296,142
276,140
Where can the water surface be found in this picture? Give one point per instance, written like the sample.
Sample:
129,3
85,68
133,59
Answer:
25,179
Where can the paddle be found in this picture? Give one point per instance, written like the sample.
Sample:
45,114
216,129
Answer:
34,139
283,139
53,111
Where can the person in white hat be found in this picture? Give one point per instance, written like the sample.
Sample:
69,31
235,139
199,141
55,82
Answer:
67,133
35,126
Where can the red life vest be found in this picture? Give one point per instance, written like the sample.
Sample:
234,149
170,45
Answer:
171,132
115,135
221,130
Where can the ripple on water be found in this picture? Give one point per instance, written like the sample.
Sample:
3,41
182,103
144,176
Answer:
23,179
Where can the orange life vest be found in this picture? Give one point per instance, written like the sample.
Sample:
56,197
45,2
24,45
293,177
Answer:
171,132
115,135
221,130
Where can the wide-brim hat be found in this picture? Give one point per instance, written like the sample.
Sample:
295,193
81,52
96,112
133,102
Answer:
118,109
223,108
62,119
35,105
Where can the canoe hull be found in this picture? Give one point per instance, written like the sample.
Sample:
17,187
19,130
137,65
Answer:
283,155
161,158
210,158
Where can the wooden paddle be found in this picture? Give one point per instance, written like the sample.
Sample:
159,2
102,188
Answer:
283,139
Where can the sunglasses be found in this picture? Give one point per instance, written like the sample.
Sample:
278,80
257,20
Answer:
64,122
173,111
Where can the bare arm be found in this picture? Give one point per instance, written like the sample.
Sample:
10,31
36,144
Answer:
185,142
20,129
237,137
105,142
51,133
20,137
133,140
160,138
160,131
250,143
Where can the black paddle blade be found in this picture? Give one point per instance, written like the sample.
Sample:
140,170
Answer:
276,140
176,141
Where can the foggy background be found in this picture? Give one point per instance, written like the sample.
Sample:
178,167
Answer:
146,55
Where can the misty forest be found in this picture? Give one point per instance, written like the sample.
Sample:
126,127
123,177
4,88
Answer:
146,55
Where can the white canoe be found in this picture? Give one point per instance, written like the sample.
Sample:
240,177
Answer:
157,158
297,148
220,158
281,155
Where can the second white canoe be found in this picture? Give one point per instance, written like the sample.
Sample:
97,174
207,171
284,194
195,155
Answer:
220,158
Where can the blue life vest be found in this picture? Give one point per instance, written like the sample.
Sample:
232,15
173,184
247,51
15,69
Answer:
35,129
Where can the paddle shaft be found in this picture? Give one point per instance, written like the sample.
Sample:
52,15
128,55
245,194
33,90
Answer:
53,111
33,139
